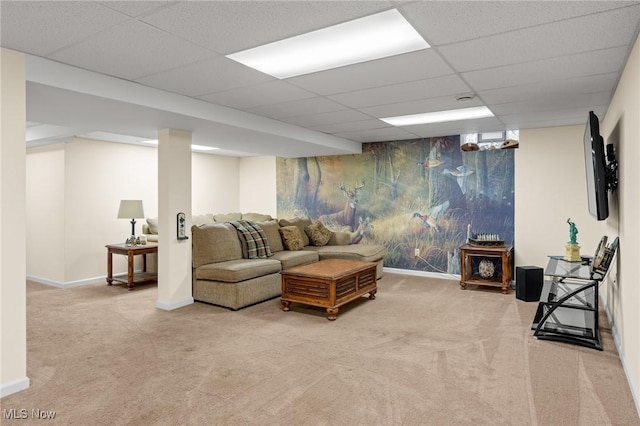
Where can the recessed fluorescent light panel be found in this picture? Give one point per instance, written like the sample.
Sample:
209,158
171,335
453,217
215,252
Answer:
373,37
439,116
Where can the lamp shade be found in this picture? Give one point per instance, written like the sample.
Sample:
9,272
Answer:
130,209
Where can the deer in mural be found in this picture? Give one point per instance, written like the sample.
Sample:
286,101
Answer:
364,227
346,216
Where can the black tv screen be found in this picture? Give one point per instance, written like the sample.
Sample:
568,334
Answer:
595,165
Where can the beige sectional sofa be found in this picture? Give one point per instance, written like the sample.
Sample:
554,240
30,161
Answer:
223,275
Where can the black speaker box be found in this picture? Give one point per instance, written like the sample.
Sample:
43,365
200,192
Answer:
529,282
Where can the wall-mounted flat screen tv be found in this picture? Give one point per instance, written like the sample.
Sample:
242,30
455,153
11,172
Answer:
595,165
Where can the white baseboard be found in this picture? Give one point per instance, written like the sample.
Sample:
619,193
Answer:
71,284
10,388
176,305
422,274
616,340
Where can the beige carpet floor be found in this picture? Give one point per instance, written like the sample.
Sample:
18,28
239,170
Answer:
424,352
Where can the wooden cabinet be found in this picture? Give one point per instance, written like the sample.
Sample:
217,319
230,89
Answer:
486,265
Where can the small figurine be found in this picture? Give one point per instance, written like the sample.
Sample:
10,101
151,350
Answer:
572,249
573,232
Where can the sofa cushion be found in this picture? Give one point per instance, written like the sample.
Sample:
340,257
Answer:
301,223
256,217
318,234
233,271
227,217
215,242
201,219
291,237
152,223
289,259
252,239
364,252
339,239
271,230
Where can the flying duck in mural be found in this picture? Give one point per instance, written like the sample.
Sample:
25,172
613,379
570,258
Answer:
429,221
460,173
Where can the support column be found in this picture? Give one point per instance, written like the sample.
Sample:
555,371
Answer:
13,270
174,196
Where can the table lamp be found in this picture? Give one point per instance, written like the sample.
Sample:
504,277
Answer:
131,209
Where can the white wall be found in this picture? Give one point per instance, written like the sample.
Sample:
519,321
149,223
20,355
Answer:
74,191
13,305
258,185
621,126
214,184
97,176
45,212
550,187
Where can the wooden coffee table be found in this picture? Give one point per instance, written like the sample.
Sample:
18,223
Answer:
328,283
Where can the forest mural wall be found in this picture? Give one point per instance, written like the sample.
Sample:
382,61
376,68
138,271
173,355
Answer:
419,194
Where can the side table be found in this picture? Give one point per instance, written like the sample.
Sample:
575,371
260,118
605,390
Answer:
130,252
470,269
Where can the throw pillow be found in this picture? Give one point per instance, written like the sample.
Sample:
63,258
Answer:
318,234
291,237
152,223
301,223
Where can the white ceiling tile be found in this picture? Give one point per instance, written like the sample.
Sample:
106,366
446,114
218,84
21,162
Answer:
555,103
420,106
326,118
396,93
580,65
130,51
43,27
136,8
377,135
382,72
455,127
351,126
550,90
551,118
205,77
229,26
297,108
446,22
592,32
271,92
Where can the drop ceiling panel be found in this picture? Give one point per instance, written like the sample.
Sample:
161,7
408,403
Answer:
201,78
271,92
446,22
297,108
351,126
550,90
578,35
62,23
559,102
135,8
419,106
583,64
455,128
382,72
378,135
396,93
229,26
131,50
326,118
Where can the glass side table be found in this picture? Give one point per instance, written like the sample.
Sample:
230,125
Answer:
568,307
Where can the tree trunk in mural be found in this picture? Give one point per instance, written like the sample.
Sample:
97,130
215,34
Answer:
318,182
302,194
482,177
